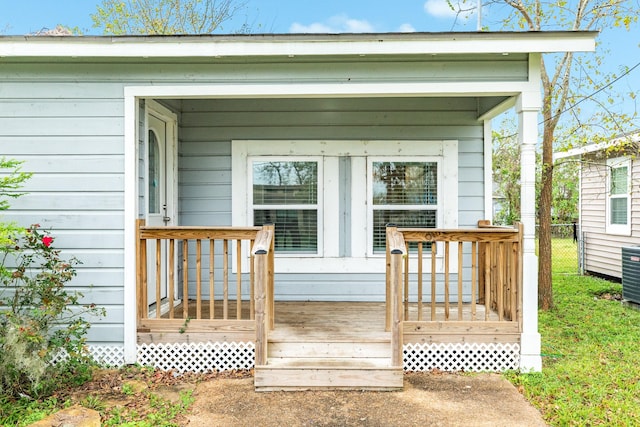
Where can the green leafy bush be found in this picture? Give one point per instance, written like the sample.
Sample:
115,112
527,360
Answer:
42,328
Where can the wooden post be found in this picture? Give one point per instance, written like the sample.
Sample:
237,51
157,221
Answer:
395,242
519,288
391,228
261,261
141,260
262,316
271,229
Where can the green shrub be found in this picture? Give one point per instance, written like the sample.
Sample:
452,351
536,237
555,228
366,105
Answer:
42,329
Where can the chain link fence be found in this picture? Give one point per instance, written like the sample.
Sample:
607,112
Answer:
566,248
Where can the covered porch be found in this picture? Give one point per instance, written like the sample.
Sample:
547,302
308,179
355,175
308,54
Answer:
467,315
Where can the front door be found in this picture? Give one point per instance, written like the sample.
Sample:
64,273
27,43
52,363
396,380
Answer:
160,200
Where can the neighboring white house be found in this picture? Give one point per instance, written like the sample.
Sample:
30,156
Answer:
609,206
181,130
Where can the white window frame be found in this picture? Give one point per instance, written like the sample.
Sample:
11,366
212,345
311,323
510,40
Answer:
620,229
319,206
329,260
370,207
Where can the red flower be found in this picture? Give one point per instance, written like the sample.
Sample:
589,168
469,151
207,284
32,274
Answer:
47,240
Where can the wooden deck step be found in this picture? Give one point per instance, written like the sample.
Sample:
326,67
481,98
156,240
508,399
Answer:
329,348
327,374
329,363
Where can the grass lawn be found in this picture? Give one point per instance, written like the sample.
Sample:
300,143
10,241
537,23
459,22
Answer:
591,352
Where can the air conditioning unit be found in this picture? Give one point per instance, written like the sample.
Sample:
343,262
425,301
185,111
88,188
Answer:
631,274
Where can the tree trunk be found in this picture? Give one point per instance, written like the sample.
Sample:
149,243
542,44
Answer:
545,288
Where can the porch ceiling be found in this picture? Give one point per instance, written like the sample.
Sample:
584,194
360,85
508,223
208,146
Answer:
479,107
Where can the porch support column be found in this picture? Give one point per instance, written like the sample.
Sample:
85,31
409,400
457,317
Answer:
528,106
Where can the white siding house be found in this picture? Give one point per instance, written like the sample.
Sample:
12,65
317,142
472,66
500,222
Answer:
609,202
181,131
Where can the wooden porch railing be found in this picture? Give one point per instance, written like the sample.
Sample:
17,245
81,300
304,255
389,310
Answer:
489,262
210,252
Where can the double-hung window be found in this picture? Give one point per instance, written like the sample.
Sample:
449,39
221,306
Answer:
285,193
331,200
404,193
618,196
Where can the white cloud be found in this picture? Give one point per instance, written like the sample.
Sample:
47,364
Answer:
440,8
406,28
335,24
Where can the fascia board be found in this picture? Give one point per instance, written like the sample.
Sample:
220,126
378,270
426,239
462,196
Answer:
375,44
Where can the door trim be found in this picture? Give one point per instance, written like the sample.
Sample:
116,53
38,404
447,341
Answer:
171,120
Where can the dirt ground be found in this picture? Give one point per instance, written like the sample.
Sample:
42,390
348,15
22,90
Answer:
229,399
428,399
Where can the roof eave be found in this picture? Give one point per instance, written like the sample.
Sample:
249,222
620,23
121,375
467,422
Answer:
298,45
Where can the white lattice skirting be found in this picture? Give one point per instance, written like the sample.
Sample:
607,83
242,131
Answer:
469,357
105,355
198,357
221,356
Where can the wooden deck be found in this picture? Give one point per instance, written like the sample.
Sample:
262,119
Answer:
330,345
302,320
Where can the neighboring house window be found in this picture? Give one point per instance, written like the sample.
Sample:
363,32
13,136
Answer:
285,193
618,196
404,193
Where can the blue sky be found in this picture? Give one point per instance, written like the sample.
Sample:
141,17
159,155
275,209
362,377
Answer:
272,16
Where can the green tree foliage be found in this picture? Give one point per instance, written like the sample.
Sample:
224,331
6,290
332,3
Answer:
506,178
11,179
163,17
567,80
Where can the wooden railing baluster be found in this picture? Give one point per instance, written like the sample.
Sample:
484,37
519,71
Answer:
474,279
460,281
158,277
212,289
238,279
433,280
198,279
172,272
185,279
446,280
420,260
225,283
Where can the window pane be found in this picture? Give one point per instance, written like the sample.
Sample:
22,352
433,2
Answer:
285,183
405,183
619,210
296,229
154,174
401,218
619,180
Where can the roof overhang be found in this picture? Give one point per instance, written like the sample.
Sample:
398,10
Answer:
593,148
291,45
